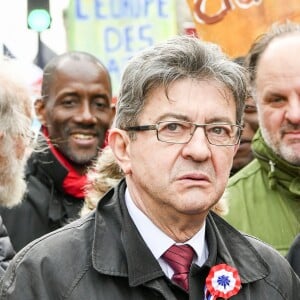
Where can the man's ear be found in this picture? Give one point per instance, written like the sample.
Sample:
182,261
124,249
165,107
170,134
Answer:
119,142
39,106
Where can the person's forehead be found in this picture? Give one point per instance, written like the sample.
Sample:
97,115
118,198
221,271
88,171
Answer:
78,66
284,50
193,99
81,73
279,65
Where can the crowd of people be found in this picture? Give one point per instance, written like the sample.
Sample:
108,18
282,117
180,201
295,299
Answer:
187,189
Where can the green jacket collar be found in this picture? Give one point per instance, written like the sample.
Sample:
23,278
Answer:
281,174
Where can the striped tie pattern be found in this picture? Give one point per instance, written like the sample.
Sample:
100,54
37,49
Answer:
180,258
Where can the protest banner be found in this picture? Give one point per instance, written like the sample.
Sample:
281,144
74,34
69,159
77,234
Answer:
234,24
115,30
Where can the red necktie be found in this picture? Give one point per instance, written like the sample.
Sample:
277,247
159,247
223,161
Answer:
180,259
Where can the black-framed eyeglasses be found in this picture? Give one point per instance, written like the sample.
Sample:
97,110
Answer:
181,132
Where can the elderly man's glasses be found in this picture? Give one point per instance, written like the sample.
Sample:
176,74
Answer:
181,132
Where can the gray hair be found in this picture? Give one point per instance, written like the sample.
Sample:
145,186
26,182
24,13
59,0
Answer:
263,41
174,59
16,106
16,110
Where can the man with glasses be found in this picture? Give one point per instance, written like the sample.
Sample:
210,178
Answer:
153,236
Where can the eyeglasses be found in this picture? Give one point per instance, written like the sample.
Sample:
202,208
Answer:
181,132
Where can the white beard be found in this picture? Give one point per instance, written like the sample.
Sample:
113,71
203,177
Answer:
12,182
12,193
281,149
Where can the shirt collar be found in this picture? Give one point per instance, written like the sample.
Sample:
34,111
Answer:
151,234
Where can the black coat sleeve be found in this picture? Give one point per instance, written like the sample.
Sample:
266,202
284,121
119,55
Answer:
293,255
6,249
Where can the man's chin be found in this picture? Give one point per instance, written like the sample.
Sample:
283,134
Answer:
81,158
291,153
82,161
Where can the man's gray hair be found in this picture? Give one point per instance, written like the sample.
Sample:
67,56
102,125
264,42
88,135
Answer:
177,58
263,41
15,103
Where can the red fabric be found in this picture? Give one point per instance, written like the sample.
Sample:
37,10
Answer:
74,183
180,259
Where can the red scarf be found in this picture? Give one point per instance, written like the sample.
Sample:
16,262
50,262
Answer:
74,183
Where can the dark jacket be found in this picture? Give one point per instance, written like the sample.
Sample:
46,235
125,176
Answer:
45,206
293,255
102,256
6,249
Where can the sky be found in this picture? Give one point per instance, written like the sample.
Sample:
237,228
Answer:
21,41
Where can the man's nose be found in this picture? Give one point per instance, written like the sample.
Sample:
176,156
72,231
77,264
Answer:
85,114
293,110
198,148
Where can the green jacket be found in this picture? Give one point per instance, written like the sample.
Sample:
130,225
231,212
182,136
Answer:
264,198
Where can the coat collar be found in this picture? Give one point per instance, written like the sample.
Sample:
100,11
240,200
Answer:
44,159
281,174
234,249
119,250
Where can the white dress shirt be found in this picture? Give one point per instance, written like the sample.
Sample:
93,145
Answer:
152,234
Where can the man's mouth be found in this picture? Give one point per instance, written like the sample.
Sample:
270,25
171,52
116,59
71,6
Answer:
84,139
82,136
194,178
292,134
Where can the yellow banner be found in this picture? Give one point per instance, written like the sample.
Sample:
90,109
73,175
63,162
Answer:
115,30
234,24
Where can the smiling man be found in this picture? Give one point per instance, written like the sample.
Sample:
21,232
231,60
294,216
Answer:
75,112
154,236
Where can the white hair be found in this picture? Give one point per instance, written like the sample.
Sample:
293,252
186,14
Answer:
15,132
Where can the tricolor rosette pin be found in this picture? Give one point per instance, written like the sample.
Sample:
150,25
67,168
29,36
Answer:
223,281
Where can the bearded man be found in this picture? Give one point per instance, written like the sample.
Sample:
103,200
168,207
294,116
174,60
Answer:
15,138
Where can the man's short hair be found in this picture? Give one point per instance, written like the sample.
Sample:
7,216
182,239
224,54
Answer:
263,41
177,58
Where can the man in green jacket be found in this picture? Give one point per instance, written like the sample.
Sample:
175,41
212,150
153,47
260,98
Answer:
264,197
